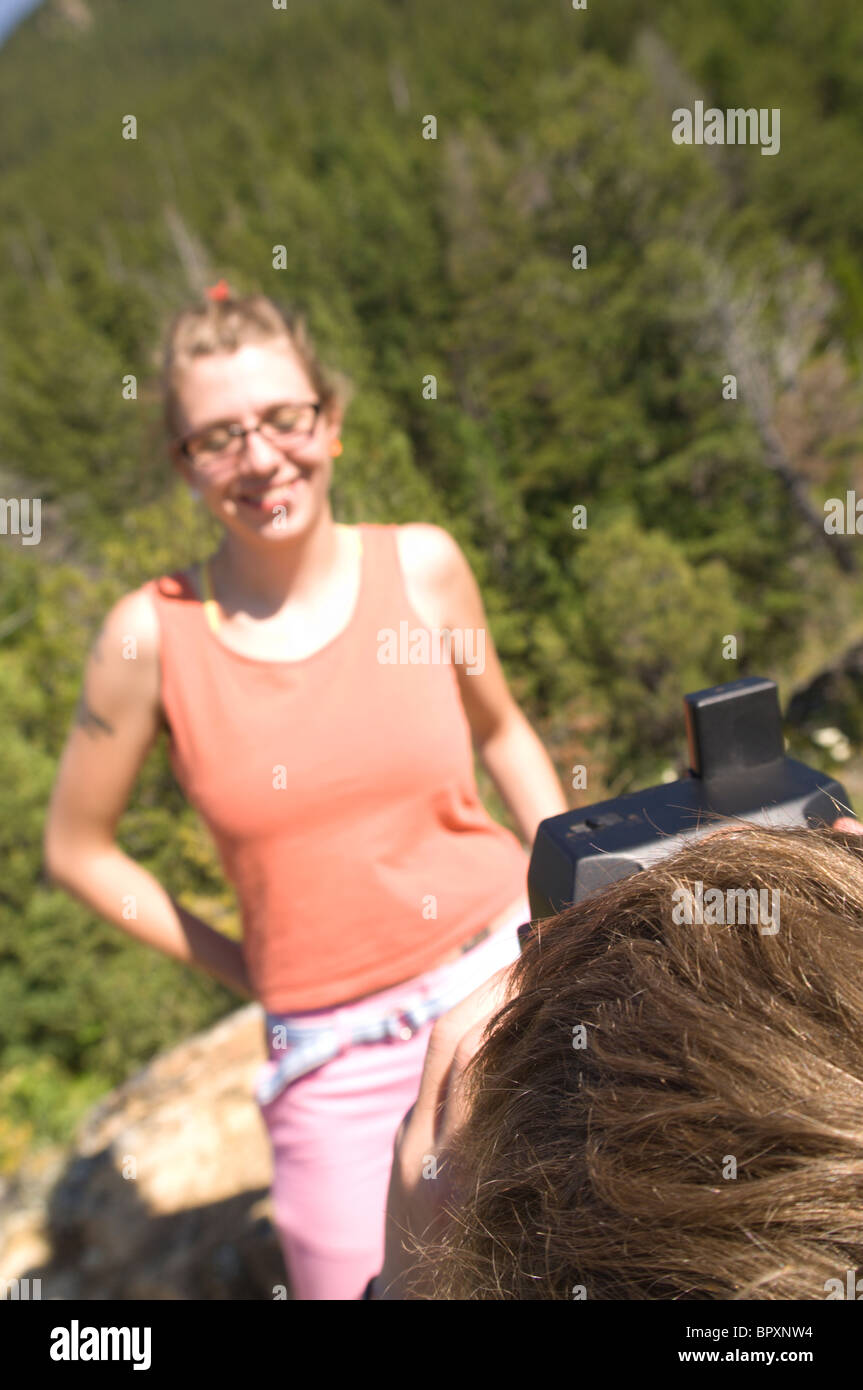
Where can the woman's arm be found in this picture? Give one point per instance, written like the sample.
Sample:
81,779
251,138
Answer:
116,724
442,588
522,771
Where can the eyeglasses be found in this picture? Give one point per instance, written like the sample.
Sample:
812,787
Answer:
280,424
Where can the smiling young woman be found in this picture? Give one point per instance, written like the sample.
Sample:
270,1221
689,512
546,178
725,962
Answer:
375,890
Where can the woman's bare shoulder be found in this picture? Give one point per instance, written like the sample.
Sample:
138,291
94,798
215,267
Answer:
134,615
122,675
429,551
137,610
127,649
437,575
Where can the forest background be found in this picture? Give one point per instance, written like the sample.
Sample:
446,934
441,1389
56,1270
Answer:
556,388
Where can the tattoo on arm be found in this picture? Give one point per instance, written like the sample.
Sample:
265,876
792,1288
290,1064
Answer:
89,720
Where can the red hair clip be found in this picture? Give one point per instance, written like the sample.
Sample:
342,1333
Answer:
219,291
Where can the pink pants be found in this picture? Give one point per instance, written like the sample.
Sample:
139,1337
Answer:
332,1133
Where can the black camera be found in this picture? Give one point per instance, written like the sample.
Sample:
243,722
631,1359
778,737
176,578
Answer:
738,770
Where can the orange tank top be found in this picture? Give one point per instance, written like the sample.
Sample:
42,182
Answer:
340,792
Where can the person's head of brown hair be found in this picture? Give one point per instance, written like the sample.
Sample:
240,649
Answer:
668,1109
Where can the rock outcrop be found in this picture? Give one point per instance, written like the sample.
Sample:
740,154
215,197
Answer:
165,1194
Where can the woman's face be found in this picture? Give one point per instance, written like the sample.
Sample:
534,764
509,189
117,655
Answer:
268,491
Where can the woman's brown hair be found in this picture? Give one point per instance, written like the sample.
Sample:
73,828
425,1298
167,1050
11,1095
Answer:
226,324
706,1141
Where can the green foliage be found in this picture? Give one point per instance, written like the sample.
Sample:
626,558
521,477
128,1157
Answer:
652,627
416,258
